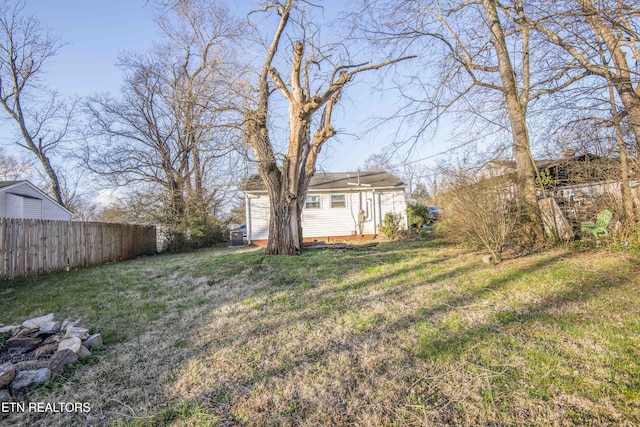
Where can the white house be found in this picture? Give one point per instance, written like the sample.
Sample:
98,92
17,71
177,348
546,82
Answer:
339,206
22,199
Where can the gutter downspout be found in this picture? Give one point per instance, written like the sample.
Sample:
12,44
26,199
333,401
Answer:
373,213
380,209
247,207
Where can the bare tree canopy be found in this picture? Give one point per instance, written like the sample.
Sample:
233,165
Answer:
41,117
602,37
172,128
481,57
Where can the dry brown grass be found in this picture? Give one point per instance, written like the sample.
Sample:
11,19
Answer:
402,335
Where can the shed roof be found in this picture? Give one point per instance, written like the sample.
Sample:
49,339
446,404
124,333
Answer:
340,181
8,183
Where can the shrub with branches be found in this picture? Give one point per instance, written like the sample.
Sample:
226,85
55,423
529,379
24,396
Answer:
482,211
392,225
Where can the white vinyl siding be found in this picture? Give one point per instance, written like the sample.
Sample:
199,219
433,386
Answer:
393,202
14,207
258,222
31,208
326,221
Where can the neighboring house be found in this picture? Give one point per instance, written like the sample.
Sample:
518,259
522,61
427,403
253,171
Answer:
339,206
22,199
576,182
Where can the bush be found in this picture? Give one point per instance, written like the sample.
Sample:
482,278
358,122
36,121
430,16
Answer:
425,233
418,216
482,211
186,237
392,225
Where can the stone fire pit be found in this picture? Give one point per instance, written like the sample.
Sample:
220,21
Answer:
39,347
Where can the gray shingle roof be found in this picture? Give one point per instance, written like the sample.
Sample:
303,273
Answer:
8,183
339,181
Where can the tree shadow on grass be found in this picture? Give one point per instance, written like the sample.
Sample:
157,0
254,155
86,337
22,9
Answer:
273,345
289,366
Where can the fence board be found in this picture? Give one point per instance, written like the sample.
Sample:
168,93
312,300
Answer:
42,246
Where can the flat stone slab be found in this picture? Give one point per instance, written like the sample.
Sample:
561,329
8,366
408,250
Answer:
36,322
26,379
50,327
75,331
93,341
22,344
43,350
61,358
12,329
69,322
84,352
73,343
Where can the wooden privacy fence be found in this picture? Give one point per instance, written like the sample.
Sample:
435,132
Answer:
33,246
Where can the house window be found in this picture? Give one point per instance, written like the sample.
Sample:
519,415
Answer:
312,202
338,201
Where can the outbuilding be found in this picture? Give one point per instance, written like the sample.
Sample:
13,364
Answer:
22,199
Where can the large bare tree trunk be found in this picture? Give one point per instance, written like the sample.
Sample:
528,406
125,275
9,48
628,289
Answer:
53,176
517,111
287,186
621,78
285,237
625,187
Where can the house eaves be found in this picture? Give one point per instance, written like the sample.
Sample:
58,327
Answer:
338,181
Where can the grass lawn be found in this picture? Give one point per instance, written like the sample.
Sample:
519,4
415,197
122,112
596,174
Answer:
403,334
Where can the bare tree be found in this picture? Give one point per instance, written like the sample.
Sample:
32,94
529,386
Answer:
12,169
584,28
488,58
172,126
602,38
42,118
379,162
287,181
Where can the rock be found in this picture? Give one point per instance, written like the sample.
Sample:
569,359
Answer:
73,343
36,322
31,365
75,331
22,345
9,329
38,347
67,322
53,339
4,395
23,332
26,379
93,341
50,327
61,358
7,372
84,352
486,259
45,349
